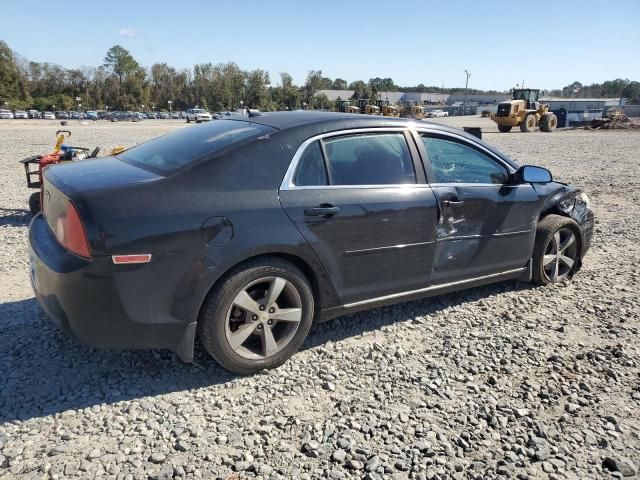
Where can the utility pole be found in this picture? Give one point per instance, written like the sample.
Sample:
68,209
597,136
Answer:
466,92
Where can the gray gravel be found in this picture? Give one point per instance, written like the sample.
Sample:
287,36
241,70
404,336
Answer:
504,381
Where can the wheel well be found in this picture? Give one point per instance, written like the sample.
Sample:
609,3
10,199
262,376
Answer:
304,267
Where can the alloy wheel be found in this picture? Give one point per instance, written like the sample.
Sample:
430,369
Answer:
560,255
263,318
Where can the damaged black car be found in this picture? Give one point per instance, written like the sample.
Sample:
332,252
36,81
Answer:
244,231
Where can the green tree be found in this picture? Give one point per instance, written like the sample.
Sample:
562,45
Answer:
339,84
286,95
257,90
121,64
361,90
10,80
313,83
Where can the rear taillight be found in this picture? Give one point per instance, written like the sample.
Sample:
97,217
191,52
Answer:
70,232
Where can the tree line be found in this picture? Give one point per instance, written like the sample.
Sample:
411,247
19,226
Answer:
121,83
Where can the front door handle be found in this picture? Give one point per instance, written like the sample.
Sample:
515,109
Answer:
322,211
453,203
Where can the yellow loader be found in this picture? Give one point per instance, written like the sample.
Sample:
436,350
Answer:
525,111
390,111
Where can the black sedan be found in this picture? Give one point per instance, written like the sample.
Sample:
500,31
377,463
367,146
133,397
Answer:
246,230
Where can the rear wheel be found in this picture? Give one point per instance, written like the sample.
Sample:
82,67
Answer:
556,252
188,120
529,123
34,203
258,316
504,128
549,122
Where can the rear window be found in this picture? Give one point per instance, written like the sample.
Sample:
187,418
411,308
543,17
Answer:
175,150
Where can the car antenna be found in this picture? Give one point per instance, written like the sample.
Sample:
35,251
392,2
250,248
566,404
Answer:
253,112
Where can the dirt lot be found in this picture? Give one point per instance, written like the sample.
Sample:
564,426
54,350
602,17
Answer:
505,381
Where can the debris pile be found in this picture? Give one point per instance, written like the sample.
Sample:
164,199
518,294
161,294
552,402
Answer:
615,120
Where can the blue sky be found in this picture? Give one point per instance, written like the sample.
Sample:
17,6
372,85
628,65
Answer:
546,44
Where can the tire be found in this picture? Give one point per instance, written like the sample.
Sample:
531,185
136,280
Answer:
221,314
188,120
528,123
504,128
549,122
543,252
34,203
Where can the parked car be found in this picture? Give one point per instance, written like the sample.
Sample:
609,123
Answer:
6,114
118,116
48,116
438,113
175,115
34,114
198,115
164,115
74,115
151,116
21,114
91,115
246,230
62,115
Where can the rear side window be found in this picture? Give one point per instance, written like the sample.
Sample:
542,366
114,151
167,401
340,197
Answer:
311,170
175,150
369,159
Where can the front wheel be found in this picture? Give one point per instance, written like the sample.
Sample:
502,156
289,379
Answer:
258,316
504,128
549,122
528,123
556,254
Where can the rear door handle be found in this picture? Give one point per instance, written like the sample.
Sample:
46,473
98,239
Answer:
323,211
453,203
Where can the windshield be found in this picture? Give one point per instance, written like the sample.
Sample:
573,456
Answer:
175,150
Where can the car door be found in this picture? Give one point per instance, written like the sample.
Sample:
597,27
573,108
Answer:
361,201
486,223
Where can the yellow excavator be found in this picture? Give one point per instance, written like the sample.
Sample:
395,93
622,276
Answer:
525,111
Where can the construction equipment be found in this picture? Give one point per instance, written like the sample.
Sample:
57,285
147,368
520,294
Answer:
372,110
366,107
414,111
525,111
345,106
390,111
61,153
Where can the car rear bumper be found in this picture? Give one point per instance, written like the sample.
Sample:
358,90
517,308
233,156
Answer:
101,304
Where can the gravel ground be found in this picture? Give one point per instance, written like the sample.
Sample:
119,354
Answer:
504,381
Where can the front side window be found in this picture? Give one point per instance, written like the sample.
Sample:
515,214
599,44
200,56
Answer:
170,152
454,162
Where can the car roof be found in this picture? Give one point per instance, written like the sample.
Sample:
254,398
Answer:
314,122
327,121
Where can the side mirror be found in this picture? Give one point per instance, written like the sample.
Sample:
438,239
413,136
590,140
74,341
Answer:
533,174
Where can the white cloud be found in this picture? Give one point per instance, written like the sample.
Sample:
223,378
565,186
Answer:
127,32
